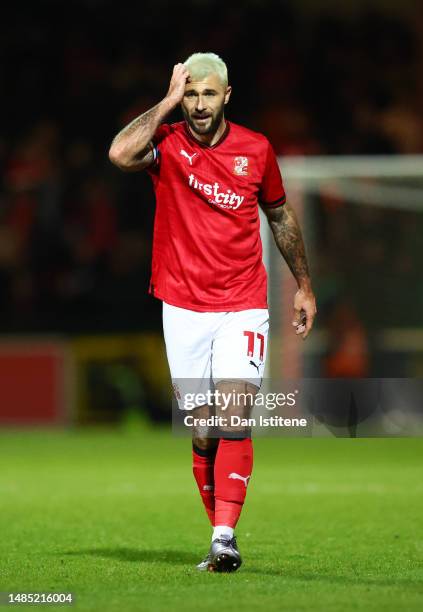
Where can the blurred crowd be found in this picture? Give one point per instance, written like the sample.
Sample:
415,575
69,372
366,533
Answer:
75,233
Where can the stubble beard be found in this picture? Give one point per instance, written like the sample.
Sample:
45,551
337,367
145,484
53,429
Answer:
202,130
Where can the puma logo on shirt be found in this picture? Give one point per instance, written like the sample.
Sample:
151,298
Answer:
189,157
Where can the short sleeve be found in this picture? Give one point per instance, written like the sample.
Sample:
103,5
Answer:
272,192
158,141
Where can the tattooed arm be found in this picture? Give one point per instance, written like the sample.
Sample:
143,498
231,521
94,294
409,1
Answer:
286,231
132,148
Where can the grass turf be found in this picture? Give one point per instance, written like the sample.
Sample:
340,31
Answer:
329,524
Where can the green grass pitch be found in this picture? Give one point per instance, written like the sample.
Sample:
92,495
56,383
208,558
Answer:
114,517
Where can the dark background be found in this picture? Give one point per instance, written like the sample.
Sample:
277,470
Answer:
75,233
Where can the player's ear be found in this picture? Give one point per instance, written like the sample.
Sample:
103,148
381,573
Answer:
228,93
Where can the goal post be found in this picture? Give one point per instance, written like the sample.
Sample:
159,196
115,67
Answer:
363,228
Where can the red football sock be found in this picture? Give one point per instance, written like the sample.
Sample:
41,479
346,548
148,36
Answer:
203,470
232,472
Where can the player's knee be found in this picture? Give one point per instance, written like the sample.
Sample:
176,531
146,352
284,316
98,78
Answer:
201,431
237,400
235,394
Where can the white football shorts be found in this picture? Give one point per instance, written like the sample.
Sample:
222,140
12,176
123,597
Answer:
204,348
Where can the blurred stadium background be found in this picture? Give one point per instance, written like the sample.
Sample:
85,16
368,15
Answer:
327,82
330,524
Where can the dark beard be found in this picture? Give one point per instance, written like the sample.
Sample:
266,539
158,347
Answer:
216,121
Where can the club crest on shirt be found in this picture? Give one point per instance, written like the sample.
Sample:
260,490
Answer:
241,166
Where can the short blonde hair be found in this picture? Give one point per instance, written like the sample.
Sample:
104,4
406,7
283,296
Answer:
201,65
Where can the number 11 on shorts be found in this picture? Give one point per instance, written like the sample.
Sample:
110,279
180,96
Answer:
251,342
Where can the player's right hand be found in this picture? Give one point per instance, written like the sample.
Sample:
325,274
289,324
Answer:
177,83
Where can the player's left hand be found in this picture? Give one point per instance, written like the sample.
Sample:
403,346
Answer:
304,312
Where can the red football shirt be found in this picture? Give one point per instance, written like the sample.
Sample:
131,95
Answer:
207,252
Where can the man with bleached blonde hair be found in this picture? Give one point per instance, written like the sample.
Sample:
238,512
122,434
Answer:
210,175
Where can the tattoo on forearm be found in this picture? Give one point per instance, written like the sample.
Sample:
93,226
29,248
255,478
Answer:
289,240
149,117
